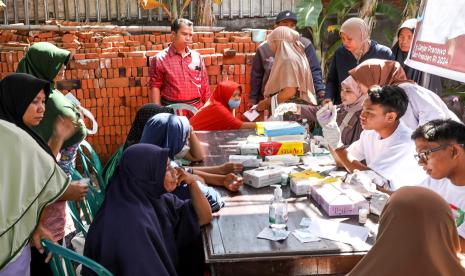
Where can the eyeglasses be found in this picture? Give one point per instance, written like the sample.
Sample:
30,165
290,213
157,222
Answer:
423,156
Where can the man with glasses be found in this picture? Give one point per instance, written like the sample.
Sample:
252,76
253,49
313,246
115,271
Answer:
441,153
384,145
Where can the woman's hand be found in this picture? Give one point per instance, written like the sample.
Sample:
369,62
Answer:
64,128
76,191
186,177
41,233
230,168
233,182
263,105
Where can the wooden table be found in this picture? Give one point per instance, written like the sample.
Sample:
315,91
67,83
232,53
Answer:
230,243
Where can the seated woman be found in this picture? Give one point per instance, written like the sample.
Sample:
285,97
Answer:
31,178
400,51
172,132
356,47
290,77
154,231
416,236
348,116
216,113
423,106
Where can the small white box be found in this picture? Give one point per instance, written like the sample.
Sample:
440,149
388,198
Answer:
287,159
249,149
263,176
249,161
337,200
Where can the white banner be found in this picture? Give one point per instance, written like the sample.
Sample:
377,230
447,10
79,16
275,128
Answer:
438,45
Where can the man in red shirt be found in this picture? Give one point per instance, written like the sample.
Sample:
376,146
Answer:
178,74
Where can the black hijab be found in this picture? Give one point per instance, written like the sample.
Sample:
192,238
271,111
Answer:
140,228
142,116
17,91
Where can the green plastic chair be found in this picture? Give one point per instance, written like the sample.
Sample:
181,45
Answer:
89,206
63,258
111,165
181,108
91,165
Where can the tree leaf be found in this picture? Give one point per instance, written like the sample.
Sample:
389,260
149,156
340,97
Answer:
338,6
308,12
393,13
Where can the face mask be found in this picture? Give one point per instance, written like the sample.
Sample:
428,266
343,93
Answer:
234,103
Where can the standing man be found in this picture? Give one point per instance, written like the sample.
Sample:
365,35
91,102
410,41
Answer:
178,74
264,58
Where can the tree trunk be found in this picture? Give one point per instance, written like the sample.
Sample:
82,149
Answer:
204,13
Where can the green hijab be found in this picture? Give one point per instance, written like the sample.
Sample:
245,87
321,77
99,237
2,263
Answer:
29,181
44,60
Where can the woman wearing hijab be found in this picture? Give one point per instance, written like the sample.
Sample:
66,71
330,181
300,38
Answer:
290,77
30,179
47,62
423,106
348,116
216,113
144,113
400,51
155,230
172,132
356,47
416,236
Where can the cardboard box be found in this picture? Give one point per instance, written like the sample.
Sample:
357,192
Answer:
302,182
249,161
337,200
291,128
287,159
263,176
276,148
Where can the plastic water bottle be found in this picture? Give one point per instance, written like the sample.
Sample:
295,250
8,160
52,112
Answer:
278,214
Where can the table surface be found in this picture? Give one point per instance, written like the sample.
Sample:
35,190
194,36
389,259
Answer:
232,234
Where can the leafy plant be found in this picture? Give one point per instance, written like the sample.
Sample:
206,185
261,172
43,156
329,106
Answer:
312,14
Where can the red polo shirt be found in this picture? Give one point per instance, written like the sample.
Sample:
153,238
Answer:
180,77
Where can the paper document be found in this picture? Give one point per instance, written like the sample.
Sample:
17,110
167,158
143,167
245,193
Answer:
251,115
342,232
274,235
304,235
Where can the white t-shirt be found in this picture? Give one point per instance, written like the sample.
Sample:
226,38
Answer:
451,193
392,157
424,106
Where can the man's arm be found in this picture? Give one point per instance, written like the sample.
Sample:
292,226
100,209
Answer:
341,156
316,69
156,80
205,86
154,95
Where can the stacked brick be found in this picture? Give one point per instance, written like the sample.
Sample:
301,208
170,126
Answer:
109,73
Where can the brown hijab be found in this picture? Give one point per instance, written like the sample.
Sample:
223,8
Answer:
417,236
357,29
290,67
379,72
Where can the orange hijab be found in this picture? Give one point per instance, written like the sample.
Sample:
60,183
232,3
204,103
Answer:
417,236
216,114
379,72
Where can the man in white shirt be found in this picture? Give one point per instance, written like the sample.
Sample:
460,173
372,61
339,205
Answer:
440,151
384,144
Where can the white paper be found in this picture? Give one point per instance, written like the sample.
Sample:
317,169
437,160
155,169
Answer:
304,235
251,115
342,232
272,234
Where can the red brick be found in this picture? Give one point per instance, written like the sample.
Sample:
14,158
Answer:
221,40
117,82
241,39
237,59
206,51
213,70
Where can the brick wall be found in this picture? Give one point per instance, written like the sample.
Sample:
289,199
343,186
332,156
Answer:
109,73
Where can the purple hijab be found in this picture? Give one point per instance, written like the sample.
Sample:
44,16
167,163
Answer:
140,228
